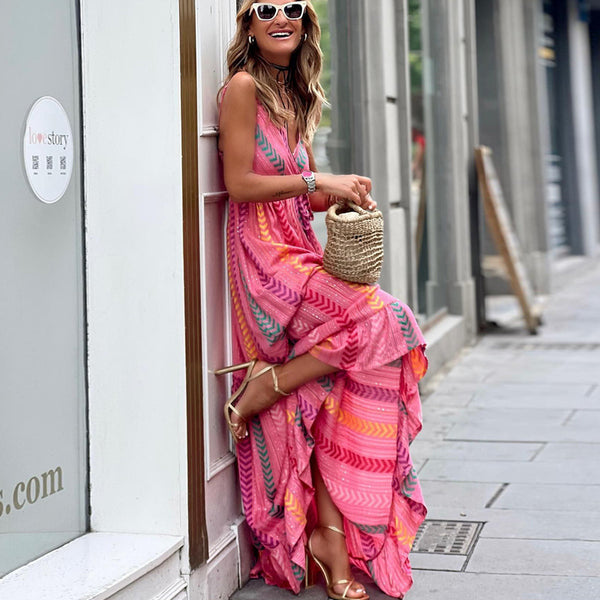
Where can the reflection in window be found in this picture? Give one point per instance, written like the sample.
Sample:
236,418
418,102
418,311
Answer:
418,188
427,119
324,131
333,145
557,207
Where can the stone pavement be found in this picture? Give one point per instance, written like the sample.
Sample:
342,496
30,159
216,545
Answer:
511,440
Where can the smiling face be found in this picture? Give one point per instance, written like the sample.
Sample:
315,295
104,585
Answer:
277,39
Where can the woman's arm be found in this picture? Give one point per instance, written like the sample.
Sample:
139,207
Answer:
236,141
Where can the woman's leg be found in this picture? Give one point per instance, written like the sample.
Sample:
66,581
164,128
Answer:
260,393
330,547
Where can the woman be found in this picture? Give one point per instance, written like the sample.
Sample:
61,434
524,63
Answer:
328,403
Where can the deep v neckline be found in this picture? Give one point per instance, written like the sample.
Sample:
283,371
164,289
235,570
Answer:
287,141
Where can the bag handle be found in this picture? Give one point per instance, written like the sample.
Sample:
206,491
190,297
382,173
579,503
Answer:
332,211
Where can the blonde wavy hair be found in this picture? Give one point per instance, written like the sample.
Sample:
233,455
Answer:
306,62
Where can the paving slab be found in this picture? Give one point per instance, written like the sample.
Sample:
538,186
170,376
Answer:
458,494
582,358
469,373
532,388
567,452
565,350
542,354
557,400
586,332
535,557
444,414
458,387
437,423
485,451
573,471
595,393
506,416
482,360
587,418
500,425
548,497
437,562
526,524
418,463
567,373
435,585
457,400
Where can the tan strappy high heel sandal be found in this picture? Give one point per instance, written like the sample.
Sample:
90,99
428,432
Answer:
327,574
230,406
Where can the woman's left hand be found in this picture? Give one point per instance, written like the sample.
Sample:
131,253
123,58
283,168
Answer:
338,188
367,201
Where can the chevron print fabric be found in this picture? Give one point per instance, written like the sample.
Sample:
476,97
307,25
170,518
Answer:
356,423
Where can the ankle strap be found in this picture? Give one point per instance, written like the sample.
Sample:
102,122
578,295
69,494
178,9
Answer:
273,375
276,383
259,373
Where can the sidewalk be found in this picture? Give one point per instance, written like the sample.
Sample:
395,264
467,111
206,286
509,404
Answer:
509,461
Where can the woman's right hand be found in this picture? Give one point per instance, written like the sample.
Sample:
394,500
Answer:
351,187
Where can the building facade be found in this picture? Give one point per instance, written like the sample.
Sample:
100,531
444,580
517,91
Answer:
117,475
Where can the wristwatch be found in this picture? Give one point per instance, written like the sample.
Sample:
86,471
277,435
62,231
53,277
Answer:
311,182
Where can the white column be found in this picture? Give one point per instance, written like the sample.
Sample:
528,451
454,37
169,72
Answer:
583,130
134,267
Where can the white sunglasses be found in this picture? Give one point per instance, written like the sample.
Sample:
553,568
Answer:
266,11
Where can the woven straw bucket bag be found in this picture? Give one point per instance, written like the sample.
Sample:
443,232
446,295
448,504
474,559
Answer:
354,248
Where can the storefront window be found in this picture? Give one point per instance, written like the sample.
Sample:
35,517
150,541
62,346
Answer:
335,146
325,130
43,456
418,188
427,122
557,209
333,141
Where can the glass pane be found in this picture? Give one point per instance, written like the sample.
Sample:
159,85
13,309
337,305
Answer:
332,145
320,141
42,419
418,191
427,119
557,209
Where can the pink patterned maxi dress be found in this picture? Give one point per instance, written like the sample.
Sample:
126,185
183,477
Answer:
358,422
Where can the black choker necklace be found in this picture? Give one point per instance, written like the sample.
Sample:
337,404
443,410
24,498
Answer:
278,67
283,76
283,79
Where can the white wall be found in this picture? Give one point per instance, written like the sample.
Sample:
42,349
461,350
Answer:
133,201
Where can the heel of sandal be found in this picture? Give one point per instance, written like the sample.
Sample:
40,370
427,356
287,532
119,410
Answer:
233,368
311,571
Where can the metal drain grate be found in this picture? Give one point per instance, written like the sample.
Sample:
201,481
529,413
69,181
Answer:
562,346
447,537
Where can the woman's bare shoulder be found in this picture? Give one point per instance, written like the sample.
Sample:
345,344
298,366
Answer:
237,115
240,99
242,85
